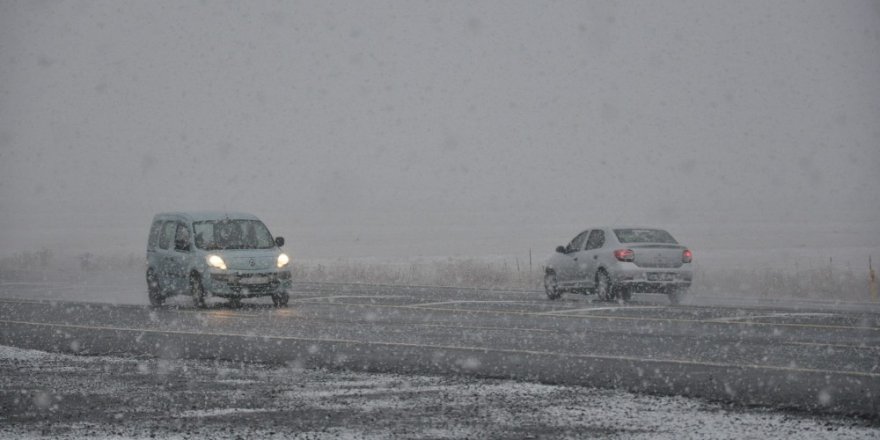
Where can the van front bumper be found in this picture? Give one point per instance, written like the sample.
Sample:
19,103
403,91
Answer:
247,284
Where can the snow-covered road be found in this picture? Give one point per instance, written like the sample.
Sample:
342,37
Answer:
58,396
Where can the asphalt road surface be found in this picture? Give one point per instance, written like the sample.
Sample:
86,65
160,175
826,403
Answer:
812,356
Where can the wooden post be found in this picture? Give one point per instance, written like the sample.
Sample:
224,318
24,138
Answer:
530,263
530,260
872,280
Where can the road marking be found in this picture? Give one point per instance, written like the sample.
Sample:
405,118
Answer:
827,345
461,348
773,315
553,313
564,314
25,301
334,297
443,303
598,309
471,327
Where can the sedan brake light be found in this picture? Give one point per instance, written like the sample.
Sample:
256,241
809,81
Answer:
625,255
687,256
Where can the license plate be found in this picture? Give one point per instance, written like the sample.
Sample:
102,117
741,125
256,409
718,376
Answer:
254,280
661,277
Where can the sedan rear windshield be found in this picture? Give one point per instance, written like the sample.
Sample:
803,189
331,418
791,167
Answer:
643,236
232,234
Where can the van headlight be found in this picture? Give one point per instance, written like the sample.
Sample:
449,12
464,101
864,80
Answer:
216,262
283,259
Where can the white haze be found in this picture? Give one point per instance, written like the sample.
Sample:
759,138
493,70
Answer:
403,128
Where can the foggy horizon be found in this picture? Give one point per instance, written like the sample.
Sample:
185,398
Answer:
446,127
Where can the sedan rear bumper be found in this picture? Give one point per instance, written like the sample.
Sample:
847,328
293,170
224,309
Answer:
663,280
658,287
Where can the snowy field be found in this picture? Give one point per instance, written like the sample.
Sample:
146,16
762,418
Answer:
806,260
56,396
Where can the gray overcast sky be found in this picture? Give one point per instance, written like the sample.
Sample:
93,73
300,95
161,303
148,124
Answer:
458,120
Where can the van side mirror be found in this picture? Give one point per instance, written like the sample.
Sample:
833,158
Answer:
560,249
279,241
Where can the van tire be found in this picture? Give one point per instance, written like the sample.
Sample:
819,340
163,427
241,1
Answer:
197,291
154,291
281,299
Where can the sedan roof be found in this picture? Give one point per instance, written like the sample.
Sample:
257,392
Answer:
197,216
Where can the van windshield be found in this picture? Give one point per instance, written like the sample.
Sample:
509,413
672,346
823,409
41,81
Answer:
232,234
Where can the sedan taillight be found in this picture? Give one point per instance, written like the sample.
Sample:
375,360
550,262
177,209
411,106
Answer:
687,256
625,255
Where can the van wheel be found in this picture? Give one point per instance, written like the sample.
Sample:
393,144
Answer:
154,290
198,291
281,299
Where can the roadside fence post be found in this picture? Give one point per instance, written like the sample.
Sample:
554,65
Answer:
872,280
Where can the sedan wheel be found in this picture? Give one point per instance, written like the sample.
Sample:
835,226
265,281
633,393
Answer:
603,287
551,286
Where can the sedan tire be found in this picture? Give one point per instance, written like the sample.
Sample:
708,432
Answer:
551,286
604,289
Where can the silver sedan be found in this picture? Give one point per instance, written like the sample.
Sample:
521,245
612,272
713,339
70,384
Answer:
615,262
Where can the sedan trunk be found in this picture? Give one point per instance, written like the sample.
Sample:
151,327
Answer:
657,255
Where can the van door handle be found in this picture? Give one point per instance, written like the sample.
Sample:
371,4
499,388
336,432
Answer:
595,257
575,258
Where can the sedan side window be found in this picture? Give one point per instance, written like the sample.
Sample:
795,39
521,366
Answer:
596,240
577,243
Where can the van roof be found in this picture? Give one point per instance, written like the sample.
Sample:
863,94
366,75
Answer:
196,216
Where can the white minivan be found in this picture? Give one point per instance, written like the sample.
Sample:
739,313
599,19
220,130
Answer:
222,254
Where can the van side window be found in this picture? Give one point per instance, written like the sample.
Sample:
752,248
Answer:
155,229
167,236
181,238
204,235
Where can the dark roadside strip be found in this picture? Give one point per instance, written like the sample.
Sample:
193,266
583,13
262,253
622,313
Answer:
811,390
